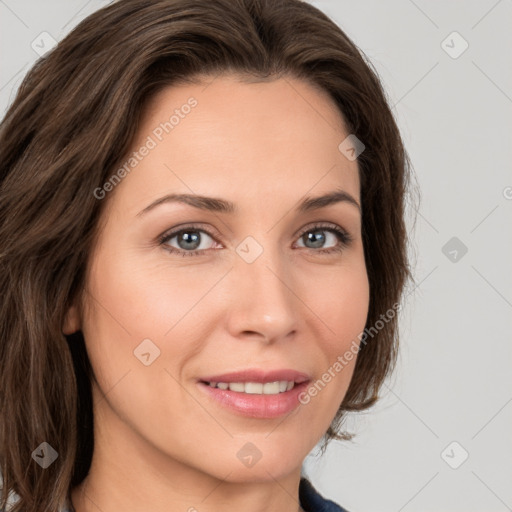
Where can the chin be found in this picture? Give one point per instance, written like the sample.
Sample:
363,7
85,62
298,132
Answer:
256,459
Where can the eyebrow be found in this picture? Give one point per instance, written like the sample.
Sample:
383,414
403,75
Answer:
215,204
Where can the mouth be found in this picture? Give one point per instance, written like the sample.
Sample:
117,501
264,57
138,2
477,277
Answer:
256,393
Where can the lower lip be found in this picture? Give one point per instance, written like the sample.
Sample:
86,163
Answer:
256,406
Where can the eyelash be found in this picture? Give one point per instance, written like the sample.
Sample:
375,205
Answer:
343,236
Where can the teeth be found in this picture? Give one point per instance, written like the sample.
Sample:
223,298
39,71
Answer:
255,388
237,386
270,388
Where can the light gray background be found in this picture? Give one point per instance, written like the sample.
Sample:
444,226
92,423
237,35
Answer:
453,378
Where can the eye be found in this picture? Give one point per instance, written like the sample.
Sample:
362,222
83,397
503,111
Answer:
191,240
337,234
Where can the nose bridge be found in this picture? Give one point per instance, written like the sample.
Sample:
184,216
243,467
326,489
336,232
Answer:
264,299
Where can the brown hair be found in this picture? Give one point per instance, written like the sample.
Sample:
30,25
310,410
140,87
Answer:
72,122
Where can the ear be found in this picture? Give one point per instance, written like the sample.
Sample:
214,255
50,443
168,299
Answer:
71,321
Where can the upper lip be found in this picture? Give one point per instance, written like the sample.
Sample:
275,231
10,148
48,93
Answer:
259,375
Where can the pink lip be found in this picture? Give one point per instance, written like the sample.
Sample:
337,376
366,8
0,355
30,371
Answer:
257,375
253,405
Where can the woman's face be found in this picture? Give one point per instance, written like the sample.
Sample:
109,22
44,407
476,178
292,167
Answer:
242,290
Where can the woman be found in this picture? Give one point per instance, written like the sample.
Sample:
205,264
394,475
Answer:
203,254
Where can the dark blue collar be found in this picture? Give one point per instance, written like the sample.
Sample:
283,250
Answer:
312,501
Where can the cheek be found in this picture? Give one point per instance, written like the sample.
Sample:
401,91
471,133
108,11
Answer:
342,304
132,301
141,299
342,308
130,311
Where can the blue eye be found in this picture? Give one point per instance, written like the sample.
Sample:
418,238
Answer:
310,235
189,239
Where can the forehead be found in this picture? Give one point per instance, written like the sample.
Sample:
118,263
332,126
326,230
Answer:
242,141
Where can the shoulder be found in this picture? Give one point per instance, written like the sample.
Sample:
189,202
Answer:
312,501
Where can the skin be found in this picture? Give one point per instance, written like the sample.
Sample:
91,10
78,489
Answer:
158,439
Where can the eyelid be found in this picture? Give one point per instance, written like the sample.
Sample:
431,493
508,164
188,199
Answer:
322,224
176,230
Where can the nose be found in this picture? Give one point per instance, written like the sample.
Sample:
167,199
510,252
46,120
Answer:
264,304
